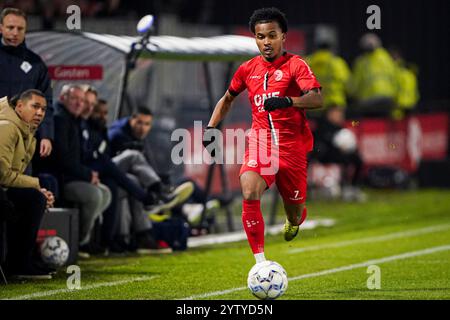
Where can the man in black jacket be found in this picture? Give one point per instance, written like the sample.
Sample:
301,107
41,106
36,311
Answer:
22,69
80,183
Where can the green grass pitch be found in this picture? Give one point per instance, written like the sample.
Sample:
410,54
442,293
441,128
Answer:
406,234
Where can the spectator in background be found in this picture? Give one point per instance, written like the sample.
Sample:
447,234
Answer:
335,144
134,226
127,140
331,71
109,215
373,83
129,133
22,69
80,184
96,156
406,86
17,146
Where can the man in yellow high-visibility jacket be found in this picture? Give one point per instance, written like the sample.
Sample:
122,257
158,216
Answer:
407,88
374,82
333,73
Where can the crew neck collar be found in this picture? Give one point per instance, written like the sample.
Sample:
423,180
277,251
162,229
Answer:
277,62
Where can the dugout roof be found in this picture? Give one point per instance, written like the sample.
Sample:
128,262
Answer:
218,48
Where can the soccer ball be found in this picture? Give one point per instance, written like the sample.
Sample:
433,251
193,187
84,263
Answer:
345,140
267,280
54,251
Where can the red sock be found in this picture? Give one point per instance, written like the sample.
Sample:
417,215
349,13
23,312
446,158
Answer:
253,222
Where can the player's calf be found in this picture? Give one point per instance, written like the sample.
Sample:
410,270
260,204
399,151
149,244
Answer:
293,222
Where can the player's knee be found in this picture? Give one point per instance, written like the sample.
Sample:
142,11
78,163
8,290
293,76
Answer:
250,194
252,186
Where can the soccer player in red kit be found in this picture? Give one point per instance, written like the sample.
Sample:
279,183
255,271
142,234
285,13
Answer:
280,87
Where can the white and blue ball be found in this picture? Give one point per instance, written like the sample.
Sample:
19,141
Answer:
267,280
54,252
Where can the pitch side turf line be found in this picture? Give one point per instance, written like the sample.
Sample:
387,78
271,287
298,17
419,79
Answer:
83,288
405,255
240,235
389,236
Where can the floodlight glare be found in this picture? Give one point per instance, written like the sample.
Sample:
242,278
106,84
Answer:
145,24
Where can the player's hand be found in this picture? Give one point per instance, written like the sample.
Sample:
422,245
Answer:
277,103
209,139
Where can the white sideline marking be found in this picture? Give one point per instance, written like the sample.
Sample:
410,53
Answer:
240,235
88,287
390,236
335,270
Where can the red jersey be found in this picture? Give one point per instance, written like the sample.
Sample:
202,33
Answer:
287,76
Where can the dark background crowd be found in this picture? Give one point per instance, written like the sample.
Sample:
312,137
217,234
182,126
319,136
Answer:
418,29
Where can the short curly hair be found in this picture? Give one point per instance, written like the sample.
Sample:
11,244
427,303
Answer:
265,15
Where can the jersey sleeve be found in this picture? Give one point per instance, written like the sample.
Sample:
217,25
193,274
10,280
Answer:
238,82
305,78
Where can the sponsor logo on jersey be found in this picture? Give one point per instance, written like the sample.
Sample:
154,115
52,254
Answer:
259,99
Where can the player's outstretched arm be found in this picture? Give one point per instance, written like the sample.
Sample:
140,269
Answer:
221,109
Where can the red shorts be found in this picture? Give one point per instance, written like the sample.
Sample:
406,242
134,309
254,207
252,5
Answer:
289,173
